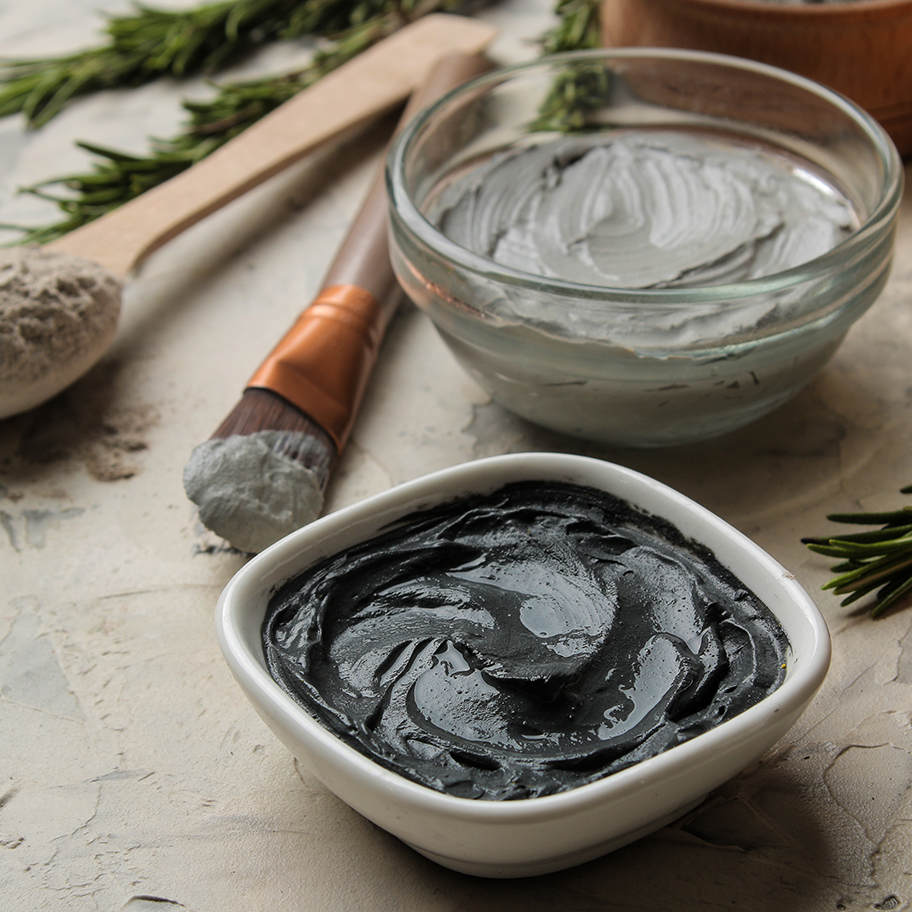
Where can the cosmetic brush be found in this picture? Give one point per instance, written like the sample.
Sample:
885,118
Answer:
264,471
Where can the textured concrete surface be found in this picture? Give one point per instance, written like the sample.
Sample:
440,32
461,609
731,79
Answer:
134,775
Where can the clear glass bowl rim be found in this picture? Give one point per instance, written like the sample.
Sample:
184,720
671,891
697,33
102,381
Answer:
405,210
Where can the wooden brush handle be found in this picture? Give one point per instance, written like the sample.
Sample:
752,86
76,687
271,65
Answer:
372,83
363,257
323,363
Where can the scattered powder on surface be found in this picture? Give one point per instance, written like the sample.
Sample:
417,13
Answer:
248,493
52,307
92,422
109,451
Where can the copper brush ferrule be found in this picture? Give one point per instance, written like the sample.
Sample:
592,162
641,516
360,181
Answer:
323,363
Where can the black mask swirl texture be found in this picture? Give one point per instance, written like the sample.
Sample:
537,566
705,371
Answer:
522,643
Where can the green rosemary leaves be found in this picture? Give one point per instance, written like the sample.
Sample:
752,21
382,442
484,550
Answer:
149,43
878,560
117,177
577,27
582,88
152,42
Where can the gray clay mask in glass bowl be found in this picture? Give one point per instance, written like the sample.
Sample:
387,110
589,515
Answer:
671,253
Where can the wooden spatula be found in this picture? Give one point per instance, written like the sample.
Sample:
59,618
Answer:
375,82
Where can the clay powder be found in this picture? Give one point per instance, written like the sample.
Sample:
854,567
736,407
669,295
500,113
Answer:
53,306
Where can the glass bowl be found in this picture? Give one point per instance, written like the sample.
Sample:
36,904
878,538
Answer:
527,836
676,360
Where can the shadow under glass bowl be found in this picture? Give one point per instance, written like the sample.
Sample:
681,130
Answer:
652,366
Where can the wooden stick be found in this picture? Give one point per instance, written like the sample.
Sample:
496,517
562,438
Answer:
371,84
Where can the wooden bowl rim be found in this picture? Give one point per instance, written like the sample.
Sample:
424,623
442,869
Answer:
846,11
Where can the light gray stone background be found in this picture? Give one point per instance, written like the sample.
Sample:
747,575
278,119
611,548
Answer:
134,775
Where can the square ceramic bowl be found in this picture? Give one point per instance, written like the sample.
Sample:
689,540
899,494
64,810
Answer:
515,838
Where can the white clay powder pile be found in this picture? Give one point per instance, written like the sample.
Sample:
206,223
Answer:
53,309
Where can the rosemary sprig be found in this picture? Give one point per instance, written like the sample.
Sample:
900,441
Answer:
877,560
117,177
581,88
149,43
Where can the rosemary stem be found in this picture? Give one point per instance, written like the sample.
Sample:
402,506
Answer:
877,560
153,41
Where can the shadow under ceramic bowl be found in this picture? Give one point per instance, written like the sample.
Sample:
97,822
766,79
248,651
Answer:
645,366
537,835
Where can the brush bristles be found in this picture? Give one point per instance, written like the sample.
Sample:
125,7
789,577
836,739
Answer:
304,441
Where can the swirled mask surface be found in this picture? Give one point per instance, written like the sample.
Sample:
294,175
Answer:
644,210
522,643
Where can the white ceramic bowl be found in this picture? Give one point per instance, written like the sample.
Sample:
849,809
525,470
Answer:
542,834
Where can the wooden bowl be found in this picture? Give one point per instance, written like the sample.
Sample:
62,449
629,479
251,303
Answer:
861,48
